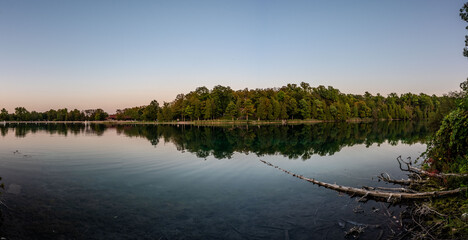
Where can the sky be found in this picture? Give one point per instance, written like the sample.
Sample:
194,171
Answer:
117,54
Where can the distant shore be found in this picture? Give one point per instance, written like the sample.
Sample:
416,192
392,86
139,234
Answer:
199,122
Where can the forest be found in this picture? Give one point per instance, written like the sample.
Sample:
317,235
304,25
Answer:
22,114
285,103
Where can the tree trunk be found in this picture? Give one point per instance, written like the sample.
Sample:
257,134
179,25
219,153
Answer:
375,194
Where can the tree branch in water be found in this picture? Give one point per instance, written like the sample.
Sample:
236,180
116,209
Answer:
410,168
374,194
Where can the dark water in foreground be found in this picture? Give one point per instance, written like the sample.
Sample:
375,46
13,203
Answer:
187,182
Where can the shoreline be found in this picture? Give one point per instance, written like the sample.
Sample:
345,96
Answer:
202,122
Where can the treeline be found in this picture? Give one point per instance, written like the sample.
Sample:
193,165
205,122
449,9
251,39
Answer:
288,102
291,102
21,114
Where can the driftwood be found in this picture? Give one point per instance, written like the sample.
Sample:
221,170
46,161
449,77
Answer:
386,178
410,168
374,194
390,189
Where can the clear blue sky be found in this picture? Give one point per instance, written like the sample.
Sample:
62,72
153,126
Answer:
117,54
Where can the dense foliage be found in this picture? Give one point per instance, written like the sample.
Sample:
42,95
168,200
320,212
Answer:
291,102
21,114
288,102
448,150
301,102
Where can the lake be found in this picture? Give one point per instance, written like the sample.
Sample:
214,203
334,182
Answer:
87,181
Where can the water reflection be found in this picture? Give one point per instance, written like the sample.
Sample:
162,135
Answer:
292,141
100,182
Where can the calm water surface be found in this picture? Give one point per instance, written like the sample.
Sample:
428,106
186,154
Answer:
187,182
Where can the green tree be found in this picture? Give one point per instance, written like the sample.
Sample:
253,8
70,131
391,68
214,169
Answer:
319,109
150,112
51,115
196,104
165,114
276,109
134,113
355,111
178,106
284,112
21,114
248,109
334,113
202,93
62,114
363,109
99,115
231,110
264,109
4,116
75,115
208,112
292,107
189,111
221,96
418,114
35,116
305,108
347,111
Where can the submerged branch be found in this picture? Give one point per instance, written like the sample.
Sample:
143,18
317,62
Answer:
375,194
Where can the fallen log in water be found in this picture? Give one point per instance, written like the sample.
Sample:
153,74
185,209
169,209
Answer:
374,194
390,189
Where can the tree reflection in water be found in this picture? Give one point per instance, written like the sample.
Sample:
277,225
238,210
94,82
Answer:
292,141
